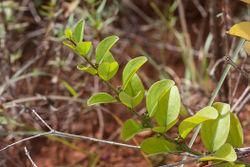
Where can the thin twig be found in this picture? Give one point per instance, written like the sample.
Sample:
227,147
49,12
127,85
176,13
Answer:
62,134
183,161
228,60
240,98
29,157
243,104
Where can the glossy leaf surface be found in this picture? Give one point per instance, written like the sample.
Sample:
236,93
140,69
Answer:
134,87
128,100
154,93
107,70
214,133
90,70
155,145
163,129
190,123
235,137
104,47
224,153
131,128
131,68
168,107
101,98
83,48
78,31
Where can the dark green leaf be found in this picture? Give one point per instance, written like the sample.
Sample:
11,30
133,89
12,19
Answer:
101,98
155,145
168,107
154,93
104,47
235,137
131,128
214,133
107,70
131,68
190,123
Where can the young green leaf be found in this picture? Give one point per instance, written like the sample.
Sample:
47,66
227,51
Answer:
214,133
163,129
131,68
190,123
128,100
108,58
90,70
107,70
101,98
134,87
70,46
131,128
70,89
104,47
224,153
68,33
168,107
79,31
83,48
155,145
154,93
241,30
235,137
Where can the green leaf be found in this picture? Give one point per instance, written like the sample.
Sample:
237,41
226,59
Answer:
214,133
69,88
83,48
163,129
131,68
168,107
101,98
134,87
101,7
107,70
155,145
90,70
224,153
190,123
131,128
104,47
154,93
235,137
68,33
128,100
70,46
108,58
79,31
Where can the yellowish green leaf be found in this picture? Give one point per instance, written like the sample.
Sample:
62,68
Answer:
241,30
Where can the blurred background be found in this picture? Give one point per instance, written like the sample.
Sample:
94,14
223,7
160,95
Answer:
184,40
